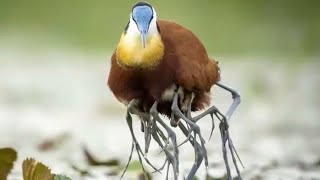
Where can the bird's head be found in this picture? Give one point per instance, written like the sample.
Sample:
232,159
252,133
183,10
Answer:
142,15
141,43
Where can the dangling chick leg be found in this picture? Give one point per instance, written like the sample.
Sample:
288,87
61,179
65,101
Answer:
135,143
193,128
171,135
133,108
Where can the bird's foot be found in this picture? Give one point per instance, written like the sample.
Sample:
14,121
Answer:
225,137
170,159
147,126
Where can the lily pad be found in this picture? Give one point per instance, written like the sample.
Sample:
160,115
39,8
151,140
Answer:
33,170
7,157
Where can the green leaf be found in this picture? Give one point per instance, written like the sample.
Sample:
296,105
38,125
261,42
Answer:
7,158
82,172
143,176
61,177
216,178
94,162
33,170
134,166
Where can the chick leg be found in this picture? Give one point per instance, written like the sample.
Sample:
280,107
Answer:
136,145
171,135
193,128
150,128
145,122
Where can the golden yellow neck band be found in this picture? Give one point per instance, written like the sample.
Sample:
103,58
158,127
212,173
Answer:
130,52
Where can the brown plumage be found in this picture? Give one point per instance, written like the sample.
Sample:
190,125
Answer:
185,63
162,67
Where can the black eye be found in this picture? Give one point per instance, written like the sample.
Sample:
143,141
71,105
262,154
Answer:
151,19
126,28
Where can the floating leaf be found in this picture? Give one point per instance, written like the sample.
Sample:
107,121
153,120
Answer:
7,157
134,166
94,162
82,172
61,177
143,176
216,178
317,163
53,142
195,178
113,173
33,170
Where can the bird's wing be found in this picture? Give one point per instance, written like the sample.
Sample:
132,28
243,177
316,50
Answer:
124,83
194,70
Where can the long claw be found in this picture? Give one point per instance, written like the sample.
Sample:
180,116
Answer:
224,150
212,127
200,150
136,145
232,150
165,147
150,129
198,156
171,136
169,159
147,136
190,106
129,160
142,125
186,140
162,167
225,137
224,132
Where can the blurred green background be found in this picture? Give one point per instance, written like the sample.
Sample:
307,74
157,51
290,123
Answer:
55,59
247,27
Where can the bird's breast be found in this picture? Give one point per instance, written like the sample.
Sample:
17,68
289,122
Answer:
130,52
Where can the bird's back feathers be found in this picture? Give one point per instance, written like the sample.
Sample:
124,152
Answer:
195,71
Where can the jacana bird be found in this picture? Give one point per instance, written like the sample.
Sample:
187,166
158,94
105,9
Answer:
160,67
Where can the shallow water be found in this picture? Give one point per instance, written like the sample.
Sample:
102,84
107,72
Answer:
275,129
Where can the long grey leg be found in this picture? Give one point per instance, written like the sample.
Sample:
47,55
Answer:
236,100
169,157
171,135
145,123
225,137
198,151
224,128
136,145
